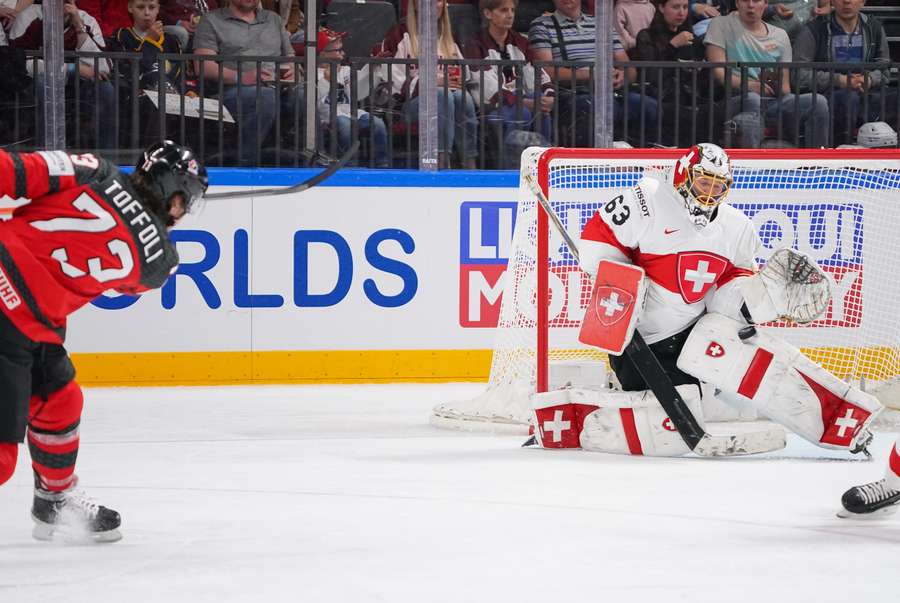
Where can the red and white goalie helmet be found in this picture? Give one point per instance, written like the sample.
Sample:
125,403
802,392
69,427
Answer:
703,178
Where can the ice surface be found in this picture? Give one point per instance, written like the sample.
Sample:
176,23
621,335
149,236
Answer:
345,493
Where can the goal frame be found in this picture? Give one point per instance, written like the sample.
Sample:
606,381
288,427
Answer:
544,164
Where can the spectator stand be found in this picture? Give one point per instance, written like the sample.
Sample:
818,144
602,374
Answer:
465,21
365,23
889,15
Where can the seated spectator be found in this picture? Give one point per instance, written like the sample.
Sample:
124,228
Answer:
846,36
291,15
743,36
631,17
181,18
146,36
81,32
330,45
788,14
670,37
244,29
499,96
568,35
457,122
112,15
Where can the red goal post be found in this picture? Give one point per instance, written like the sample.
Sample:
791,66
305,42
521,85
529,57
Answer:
840,206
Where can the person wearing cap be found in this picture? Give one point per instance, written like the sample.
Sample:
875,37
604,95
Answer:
333,98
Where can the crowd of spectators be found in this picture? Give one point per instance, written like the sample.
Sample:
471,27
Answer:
542,95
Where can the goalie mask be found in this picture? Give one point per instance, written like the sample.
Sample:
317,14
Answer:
702,178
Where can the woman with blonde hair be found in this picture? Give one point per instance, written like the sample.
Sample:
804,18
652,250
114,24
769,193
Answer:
456,109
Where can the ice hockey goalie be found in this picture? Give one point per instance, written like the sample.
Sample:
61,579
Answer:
700,296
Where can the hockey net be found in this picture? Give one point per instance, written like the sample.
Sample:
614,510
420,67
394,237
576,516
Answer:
841,207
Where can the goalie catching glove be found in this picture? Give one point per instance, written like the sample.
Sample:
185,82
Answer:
790,286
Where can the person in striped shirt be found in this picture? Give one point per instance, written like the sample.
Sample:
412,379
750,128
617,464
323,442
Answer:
566,37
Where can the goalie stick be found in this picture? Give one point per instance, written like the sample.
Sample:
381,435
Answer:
654,375
297,188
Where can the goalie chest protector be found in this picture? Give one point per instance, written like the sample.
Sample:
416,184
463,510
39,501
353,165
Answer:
648,226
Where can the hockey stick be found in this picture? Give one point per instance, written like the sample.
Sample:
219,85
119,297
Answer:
297,188
650,369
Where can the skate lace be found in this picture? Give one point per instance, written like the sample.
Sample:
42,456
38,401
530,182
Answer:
81,502
876,492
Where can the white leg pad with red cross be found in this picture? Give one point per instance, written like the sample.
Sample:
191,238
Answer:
780,381
607,421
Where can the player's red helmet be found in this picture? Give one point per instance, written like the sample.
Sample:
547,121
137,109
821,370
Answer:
169,168
703,178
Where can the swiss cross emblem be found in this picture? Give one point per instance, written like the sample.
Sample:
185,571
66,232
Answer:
612,304
842,419
697,272
667,424
715,350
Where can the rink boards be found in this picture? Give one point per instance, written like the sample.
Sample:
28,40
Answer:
372,276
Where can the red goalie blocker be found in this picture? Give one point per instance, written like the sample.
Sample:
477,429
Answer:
612,313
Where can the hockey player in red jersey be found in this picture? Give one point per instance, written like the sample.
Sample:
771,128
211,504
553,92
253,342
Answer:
78,228
701,296
875,498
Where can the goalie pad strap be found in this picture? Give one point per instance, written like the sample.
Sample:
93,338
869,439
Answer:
631,434
753,377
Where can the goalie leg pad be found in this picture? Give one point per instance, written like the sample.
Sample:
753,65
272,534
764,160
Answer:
636,424
558,415
781,382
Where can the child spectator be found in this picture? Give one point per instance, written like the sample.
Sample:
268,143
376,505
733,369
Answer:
147,37
330,45
631,17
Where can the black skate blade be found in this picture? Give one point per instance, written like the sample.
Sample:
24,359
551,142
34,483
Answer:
881,513
531,441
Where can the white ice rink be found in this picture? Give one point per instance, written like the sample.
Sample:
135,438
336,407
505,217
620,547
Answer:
345,493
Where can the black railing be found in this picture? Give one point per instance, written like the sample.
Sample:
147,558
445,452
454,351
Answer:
263,121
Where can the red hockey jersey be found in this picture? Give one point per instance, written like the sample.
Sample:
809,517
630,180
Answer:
78,229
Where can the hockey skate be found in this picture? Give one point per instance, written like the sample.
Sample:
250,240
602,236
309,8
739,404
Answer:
72,517
869,501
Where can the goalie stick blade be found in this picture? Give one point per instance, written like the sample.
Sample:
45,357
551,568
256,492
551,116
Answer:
740,444
297,188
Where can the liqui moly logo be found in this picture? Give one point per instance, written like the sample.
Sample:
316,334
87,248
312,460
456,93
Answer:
8,293
486,234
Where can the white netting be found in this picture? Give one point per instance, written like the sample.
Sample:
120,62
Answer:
842,209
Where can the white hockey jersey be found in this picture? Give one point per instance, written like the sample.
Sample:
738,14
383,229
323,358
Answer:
689,271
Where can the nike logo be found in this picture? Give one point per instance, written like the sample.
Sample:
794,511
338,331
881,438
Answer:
670,230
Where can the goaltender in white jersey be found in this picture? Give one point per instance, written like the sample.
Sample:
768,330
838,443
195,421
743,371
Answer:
701,296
